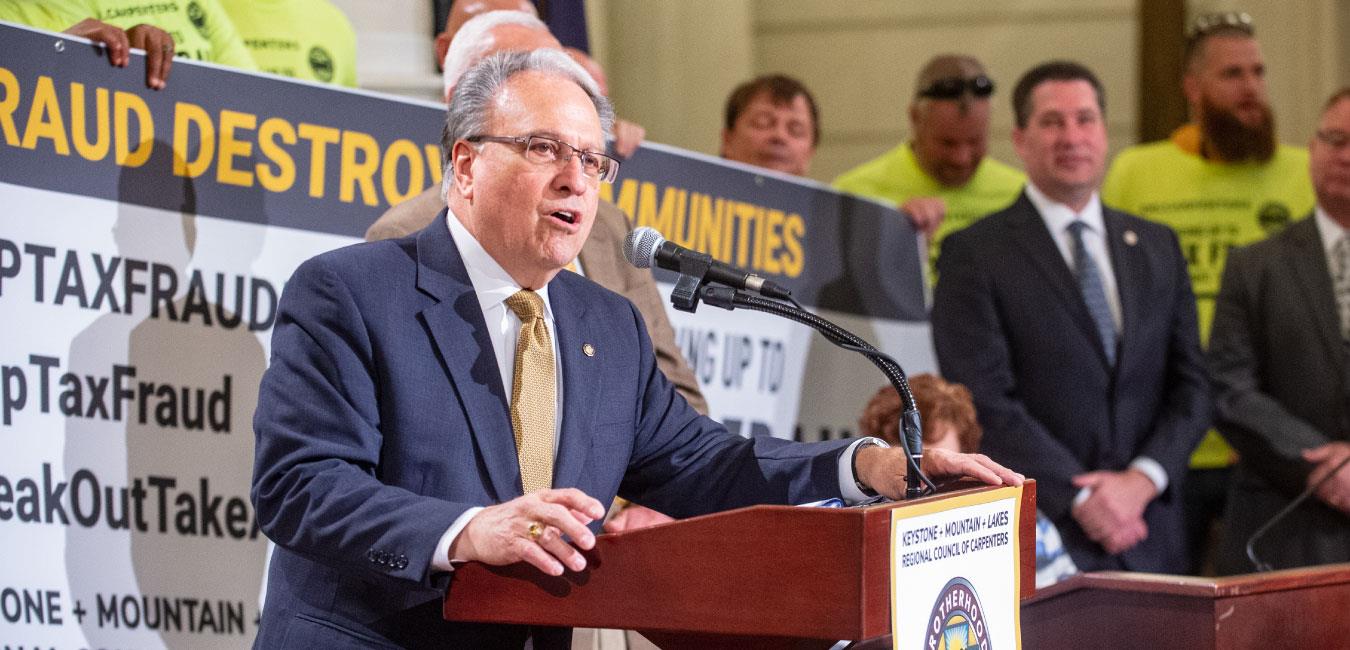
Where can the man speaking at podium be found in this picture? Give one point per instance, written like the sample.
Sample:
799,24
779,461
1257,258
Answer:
452,396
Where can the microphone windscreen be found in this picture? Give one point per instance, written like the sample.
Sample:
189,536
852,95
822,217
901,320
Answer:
640,246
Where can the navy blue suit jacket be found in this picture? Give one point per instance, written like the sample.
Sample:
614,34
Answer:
383,417
1009,322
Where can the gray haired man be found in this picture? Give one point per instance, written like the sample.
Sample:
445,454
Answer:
453,396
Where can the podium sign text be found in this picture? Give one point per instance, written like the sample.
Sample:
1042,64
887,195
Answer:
955,573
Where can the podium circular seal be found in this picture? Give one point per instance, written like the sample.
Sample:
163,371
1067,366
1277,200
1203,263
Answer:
957,620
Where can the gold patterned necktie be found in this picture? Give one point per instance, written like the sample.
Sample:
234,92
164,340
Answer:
533,393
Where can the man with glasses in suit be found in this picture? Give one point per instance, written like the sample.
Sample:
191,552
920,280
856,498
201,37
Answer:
1278,358
453,396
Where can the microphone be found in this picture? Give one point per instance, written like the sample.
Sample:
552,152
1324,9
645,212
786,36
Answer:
645,248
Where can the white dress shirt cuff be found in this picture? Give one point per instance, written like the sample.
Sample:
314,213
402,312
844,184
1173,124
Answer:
1083,494
440,561
848,483
1147,466
1153,470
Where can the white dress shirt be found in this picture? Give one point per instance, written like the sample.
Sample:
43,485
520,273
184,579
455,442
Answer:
1330,232
493,285
1057,218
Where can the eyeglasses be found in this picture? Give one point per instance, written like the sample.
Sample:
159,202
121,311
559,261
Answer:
954,87
1334,138
1205,24
543,150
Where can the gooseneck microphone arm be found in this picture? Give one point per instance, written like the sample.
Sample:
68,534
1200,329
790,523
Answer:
699,275
1257,562
911,431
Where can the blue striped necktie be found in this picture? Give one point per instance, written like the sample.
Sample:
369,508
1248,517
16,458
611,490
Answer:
1094,292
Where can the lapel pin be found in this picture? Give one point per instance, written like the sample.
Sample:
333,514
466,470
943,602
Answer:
588,349
1131,238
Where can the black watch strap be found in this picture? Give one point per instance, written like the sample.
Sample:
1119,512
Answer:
857,482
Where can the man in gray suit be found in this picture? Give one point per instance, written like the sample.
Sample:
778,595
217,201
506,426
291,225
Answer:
1278,355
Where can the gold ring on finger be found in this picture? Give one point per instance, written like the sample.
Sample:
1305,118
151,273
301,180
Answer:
535,530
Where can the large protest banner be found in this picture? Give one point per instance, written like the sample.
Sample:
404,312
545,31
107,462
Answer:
851,260
145,238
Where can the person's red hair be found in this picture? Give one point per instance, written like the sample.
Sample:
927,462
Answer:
941,404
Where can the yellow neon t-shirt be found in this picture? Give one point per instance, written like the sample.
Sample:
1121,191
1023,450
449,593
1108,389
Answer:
41,15
896,177
1212,206
200,29
304,39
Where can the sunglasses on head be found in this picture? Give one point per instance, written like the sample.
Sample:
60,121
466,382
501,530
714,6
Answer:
954,87
1204,24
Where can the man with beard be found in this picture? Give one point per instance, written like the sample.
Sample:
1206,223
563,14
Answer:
1220,181
941,178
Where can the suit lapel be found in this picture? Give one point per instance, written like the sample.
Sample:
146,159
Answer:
460,336
1131,277
1031,235
581,377
1314,280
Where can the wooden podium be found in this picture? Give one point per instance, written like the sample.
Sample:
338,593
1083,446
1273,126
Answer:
1297,608
760,577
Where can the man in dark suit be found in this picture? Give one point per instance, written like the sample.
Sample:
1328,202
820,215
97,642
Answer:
1074,327
600,260
388,444
1278,357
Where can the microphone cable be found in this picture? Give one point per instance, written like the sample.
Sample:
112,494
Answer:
1260,564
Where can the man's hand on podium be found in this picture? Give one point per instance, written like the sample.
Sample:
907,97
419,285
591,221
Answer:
883,468
530,529
634,517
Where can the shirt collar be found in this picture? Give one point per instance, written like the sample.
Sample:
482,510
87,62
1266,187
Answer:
1187,138
1058,216
1327,228
491,283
